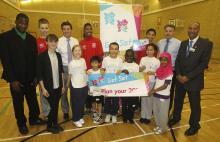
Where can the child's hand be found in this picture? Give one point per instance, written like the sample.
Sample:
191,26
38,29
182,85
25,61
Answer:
151,92
142,68
150,73
118,72
102,71
125,71
45,93
88,72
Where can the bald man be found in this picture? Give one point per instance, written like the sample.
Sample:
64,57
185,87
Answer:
192,59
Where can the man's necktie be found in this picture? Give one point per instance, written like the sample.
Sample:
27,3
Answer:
69,51
166,46
188,48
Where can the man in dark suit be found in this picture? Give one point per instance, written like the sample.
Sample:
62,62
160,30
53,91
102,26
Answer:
192,59
19,54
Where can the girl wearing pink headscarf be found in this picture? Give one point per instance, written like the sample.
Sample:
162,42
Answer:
161,93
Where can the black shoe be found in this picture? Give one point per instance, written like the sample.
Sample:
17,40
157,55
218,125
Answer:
23,130
66,116
39,121
53,130
142,120
173,122
59,128
125,120
131,121
146,121
192,131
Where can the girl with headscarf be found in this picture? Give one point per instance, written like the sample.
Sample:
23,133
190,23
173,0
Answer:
161,93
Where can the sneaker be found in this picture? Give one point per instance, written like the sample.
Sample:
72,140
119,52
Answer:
82,121
159,131
156,128
114,118
53,130
97,120
77,124
107,118
131,121
59,128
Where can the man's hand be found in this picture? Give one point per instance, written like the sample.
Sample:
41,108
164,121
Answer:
16,85
45,93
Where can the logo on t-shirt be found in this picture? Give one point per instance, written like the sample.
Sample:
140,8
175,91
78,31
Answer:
93,45
41,45
84,47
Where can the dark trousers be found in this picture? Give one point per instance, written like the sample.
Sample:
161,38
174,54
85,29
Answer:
172,90
53,100
78,97
129,104
29,92
89,102
194,100
111,105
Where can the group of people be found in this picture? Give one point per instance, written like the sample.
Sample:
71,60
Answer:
58,64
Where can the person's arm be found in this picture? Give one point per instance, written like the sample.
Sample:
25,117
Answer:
177,64
100,49
44,90
164,86
35,56
142,67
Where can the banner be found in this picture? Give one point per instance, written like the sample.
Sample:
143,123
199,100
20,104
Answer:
118,24
123,85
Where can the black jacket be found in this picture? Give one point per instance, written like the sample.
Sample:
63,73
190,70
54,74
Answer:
18,57
44,70
194,65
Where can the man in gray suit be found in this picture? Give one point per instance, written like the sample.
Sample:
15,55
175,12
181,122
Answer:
192,59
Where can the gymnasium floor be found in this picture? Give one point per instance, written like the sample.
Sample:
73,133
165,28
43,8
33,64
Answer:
210,121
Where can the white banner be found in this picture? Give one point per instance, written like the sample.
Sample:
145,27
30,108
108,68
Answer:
117,24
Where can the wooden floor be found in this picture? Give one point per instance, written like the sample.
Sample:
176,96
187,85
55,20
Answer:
210,121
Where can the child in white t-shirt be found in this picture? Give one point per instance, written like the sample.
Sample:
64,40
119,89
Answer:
149,64
97,99
112,64
129,104
161,93
78,88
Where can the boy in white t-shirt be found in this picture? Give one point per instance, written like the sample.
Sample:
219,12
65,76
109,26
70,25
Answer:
149,64
161,93
97,99
78,88
129,104
112,64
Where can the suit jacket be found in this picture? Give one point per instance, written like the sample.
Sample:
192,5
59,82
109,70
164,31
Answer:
44,70
19,57
194,65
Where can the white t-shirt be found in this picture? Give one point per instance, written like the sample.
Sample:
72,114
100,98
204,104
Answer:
131,67
93,90
112,65
151,64
165,92
77,68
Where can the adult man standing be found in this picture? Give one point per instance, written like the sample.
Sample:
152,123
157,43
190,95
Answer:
171,45
192,59
65,45
19,69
